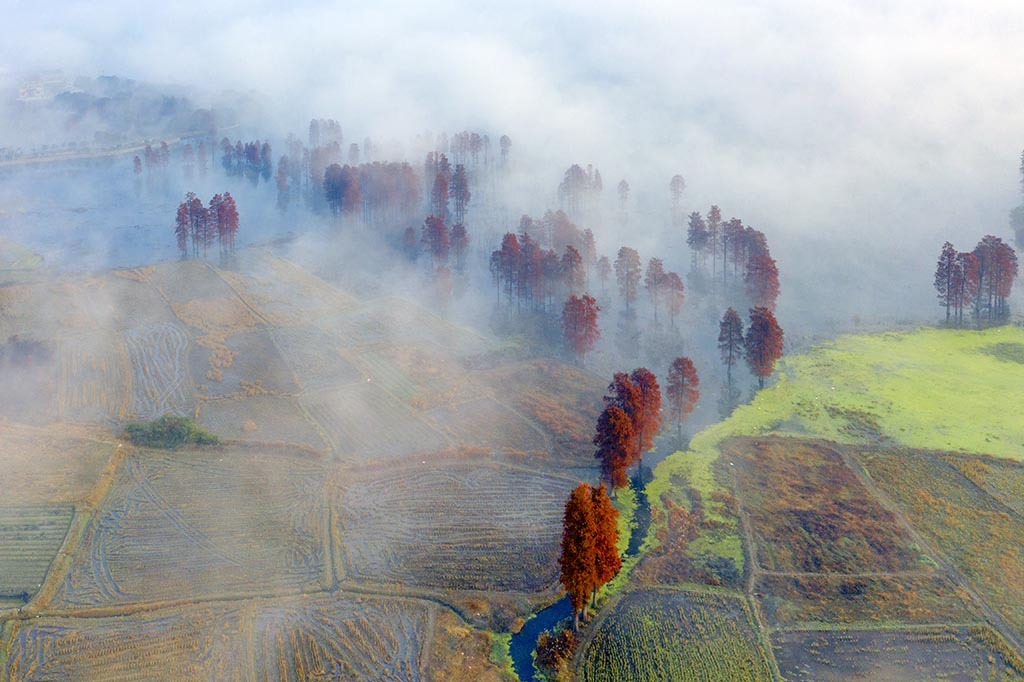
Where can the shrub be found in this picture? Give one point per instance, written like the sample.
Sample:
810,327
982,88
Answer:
168,432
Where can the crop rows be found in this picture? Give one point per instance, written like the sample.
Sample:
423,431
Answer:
660,635
312,354
94,381
488,423
159,359
364,423
200,643
29,539
184,524
454,524
325,638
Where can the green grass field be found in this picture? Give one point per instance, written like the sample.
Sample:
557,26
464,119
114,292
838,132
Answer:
930,388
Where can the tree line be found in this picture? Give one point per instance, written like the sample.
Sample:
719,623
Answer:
978,281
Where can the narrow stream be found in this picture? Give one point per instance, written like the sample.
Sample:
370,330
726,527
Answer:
525,641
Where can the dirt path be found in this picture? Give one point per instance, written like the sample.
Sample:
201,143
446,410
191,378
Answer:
995,620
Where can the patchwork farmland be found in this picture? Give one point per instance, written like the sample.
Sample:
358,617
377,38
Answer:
313,543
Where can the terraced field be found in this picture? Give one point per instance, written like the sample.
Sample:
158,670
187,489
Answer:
332,638
365,423
202,642
183,524
487,423
159,360
964,654
95,378
49,466
453,524
256,367
29,539
674,635
260,418
314,357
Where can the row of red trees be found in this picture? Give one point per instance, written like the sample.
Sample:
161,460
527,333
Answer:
590,555
377,192
204,226
534,276
253,159
980,280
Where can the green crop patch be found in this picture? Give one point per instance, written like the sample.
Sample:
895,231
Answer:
1008,352
674,635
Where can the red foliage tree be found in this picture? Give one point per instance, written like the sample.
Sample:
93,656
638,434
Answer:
730,340
997,269
607,561
761,280
763,343
579,324
578,572
647,420
628,273
227,222
615,443
681,390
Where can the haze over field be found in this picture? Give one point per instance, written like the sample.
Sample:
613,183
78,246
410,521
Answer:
849,128
383,340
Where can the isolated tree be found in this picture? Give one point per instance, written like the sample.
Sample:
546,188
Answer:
588,249
730,341
436,239
672,291
579,324
604,272
681,391
761,281
653,281
137,166
623,192
459,245
607,561
616,444
944,275
676,187
578,573
763,343
628,273
460,192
